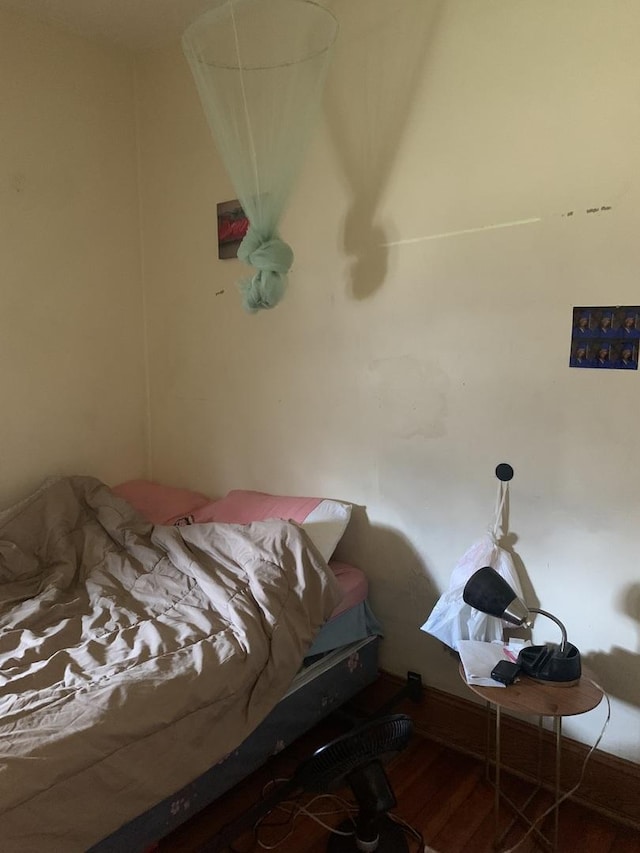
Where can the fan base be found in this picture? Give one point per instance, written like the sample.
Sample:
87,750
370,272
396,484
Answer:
392,838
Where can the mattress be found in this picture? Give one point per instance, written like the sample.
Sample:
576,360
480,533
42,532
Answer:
352,620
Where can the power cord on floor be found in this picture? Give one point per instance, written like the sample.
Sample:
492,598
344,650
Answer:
572,791
294,810
409,830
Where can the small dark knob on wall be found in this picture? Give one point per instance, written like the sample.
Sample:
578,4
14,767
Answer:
504,472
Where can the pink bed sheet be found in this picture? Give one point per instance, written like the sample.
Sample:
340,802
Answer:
353,583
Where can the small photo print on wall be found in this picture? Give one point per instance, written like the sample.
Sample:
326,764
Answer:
232,226
605,337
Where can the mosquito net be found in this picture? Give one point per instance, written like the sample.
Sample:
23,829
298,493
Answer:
259,66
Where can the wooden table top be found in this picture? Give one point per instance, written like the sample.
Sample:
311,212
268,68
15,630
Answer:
527,696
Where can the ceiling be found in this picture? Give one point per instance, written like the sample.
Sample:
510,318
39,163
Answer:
136,24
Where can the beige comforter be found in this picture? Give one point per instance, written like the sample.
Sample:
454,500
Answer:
134,657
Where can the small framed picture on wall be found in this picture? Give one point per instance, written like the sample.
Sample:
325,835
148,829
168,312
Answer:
232,226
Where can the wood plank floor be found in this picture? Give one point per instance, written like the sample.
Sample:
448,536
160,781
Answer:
440,792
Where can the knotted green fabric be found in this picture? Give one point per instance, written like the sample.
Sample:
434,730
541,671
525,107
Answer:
259,68
272,258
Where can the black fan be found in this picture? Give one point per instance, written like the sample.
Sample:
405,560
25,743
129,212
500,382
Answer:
356,759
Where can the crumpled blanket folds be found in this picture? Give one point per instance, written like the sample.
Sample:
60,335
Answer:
134,657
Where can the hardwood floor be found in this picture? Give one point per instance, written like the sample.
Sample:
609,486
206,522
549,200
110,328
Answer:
441,793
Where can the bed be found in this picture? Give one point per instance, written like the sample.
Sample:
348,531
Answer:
147,667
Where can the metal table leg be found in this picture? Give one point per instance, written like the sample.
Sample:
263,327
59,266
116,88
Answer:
497,780
557,725
550,844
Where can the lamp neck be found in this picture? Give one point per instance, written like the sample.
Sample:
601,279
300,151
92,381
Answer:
553,618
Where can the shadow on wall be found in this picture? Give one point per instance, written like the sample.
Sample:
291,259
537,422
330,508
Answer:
618,670
376,70
401,586
508,543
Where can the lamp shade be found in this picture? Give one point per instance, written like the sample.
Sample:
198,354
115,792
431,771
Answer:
489,592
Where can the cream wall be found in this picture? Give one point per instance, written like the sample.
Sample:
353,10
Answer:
408,358
72,379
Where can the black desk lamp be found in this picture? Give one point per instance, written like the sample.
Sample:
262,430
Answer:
489,592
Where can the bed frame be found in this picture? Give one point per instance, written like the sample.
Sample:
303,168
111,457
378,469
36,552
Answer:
318,690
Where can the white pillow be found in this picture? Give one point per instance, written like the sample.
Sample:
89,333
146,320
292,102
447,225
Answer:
326,524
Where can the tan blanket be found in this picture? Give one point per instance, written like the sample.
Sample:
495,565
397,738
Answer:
133,657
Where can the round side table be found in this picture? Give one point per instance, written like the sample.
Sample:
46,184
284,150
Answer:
527,696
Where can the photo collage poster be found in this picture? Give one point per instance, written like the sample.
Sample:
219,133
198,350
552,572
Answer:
605,338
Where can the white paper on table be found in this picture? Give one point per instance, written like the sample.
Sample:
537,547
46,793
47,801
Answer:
478,660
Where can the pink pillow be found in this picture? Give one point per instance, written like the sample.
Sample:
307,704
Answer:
243,507
160,504
323,520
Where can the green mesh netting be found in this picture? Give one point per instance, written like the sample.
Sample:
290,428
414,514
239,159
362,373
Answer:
259,66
